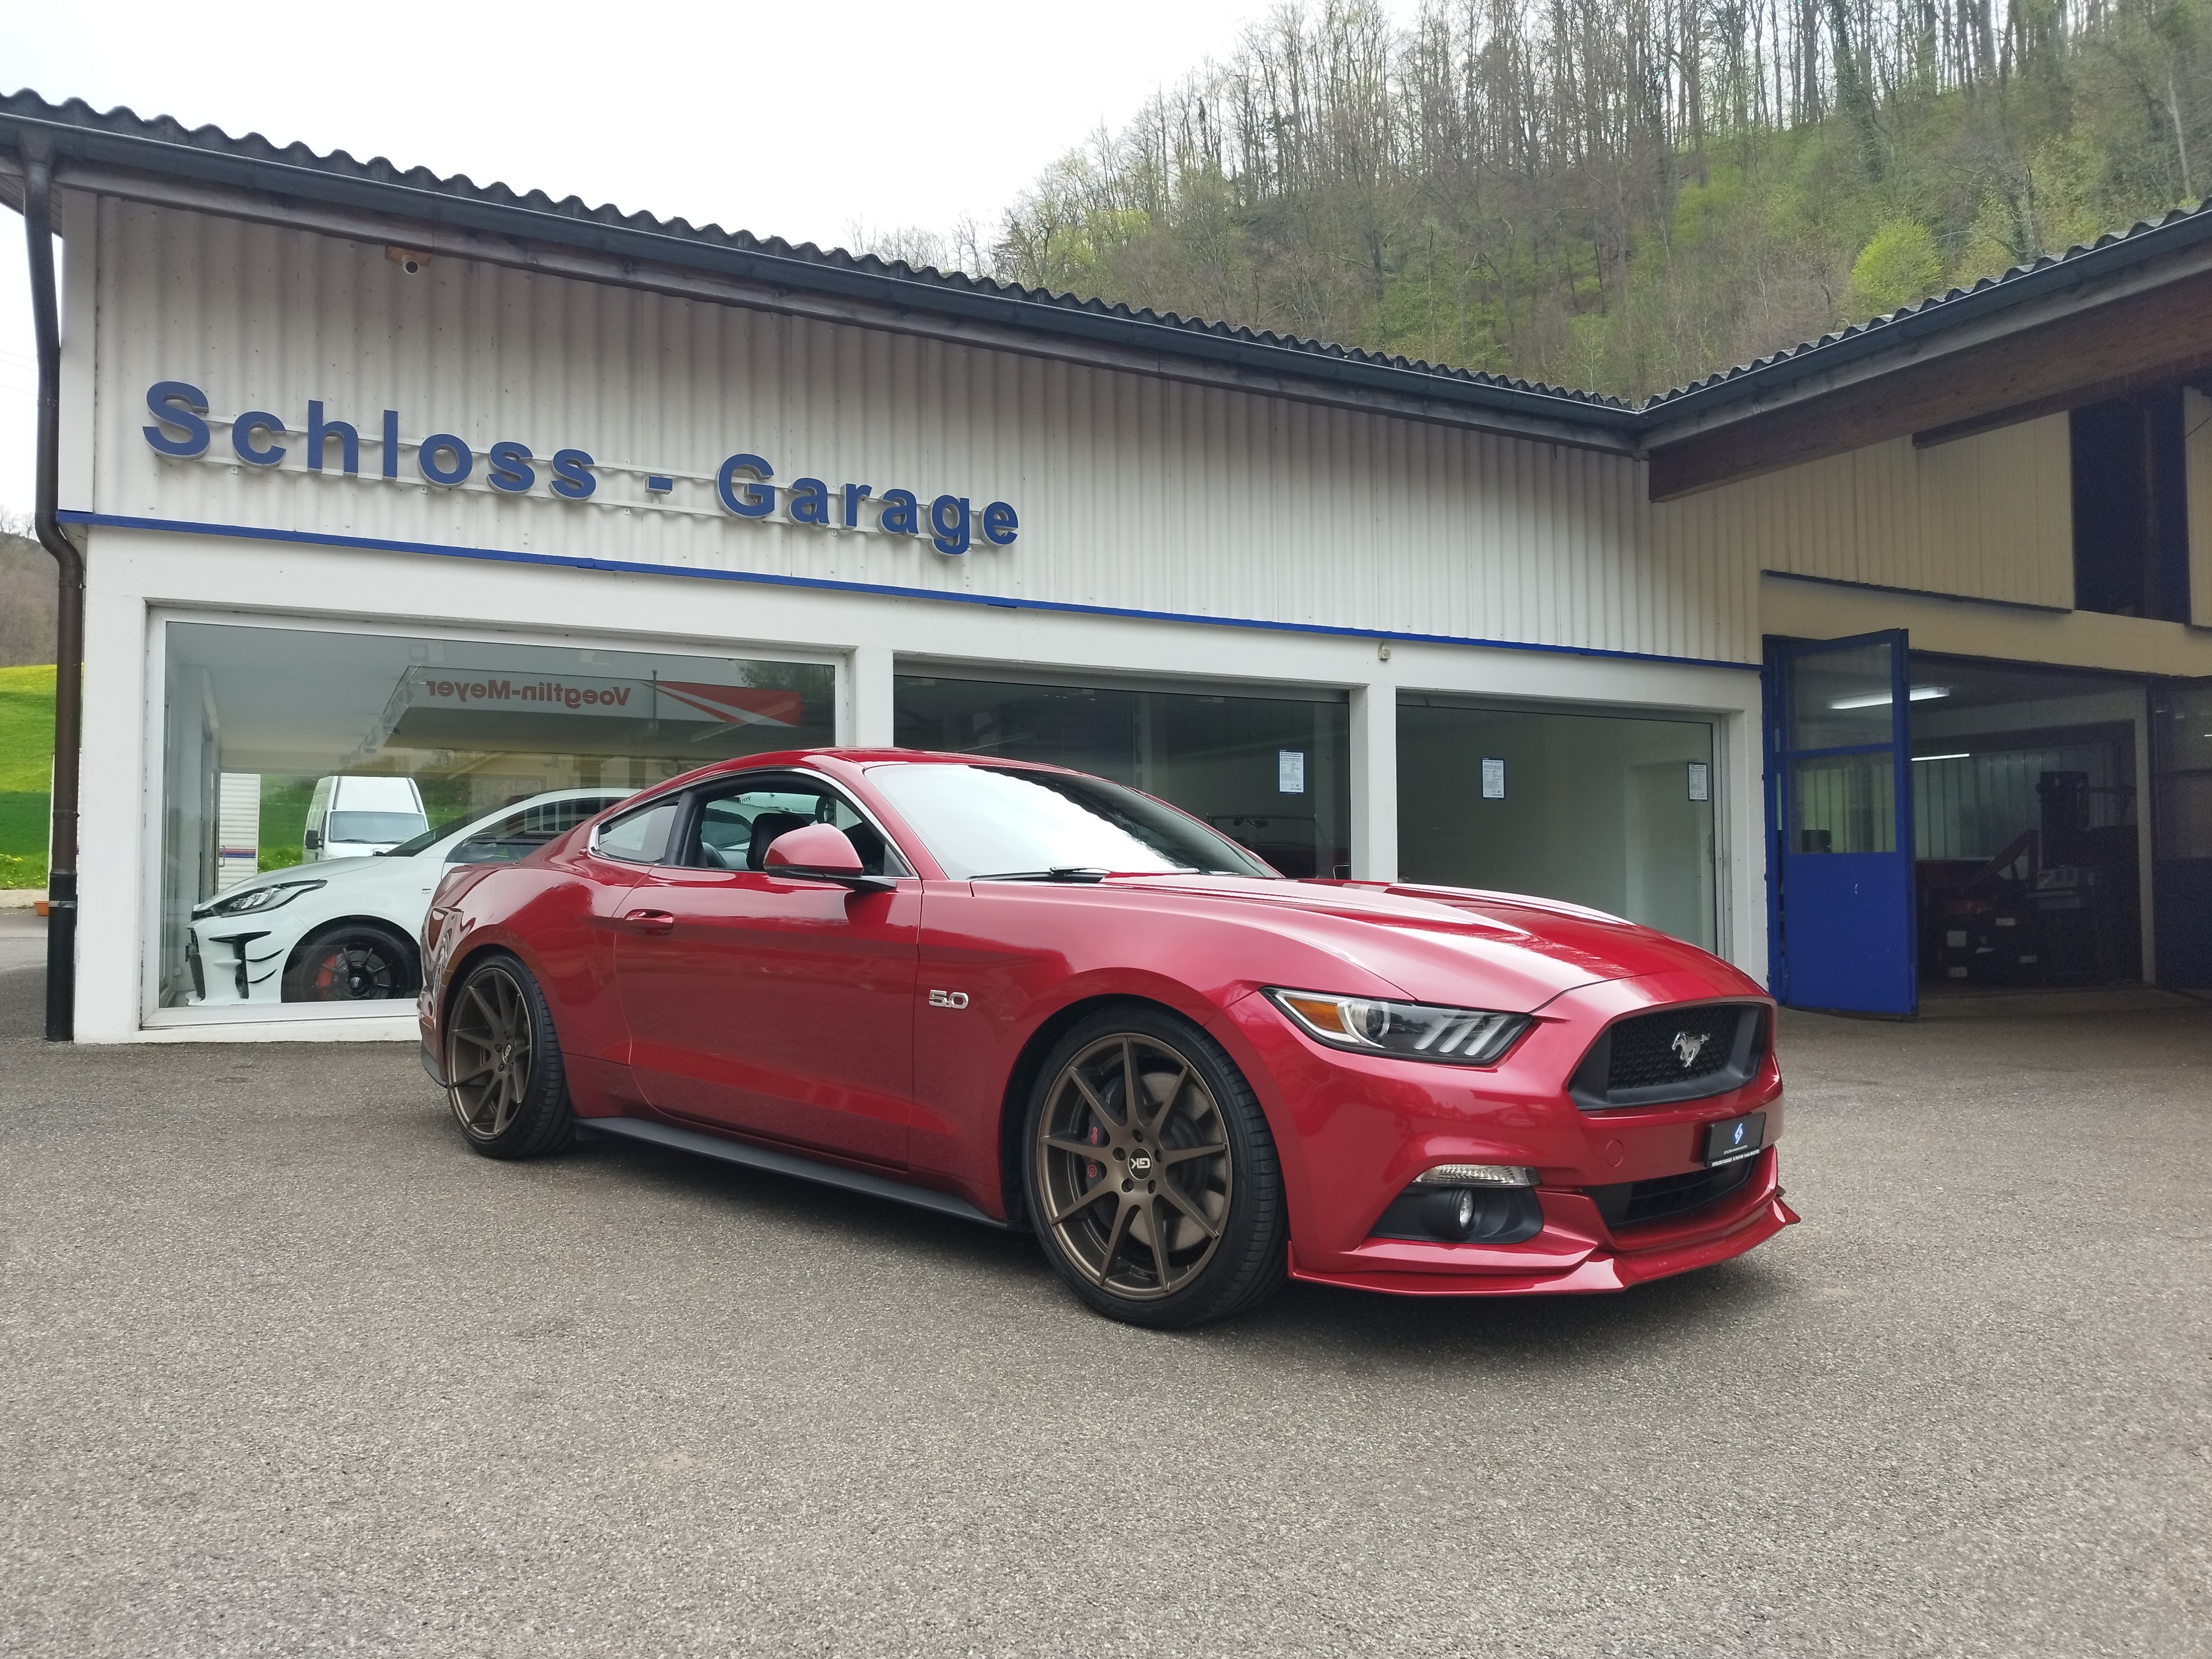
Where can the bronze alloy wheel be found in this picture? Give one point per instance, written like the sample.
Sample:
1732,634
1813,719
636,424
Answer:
489,1052
1137,1197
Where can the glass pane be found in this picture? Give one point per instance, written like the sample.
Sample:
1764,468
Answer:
1607,810
507,839
982,822
1838,698
2184,815
1843,803
1272,774
639,837
317,748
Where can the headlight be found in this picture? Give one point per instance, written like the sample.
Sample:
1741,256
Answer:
1411,1031
258,898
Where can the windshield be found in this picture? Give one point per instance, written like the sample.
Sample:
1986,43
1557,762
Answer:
414,844
374,826
986,821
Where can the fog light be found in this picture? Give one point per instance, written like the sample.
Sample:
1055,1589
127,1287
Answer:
1449,1214
1476,1175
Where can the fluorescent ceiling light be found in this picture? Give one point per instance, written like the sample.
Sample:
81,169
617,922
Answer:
1961,755
1881,699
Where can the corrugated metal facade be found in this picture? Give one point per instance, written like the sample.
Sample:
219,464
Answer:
1134,493
1988,517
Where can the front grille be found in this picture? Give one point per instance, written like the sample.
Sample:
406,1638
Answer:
1649,1049
1632,1203
1684,1053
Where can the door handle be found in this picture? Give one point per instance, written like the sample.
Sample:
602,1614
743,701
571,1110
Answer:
651,922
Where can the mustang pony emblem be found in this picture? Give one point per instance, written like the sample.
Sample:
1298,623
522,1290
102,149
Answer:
1687,1048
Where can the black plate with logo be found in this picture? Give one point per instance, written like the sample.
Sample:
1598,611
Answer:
1734,1138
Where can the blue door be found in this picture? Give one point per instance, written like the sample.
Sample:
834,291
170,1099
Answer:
1839,804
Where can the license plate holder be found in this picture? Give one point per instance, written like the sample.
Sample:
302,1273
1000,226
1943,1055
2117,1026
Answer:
1734,1138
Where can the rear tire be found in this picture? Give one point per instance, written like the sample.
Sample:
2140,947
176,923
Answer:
1168,1217
353,962
504,1078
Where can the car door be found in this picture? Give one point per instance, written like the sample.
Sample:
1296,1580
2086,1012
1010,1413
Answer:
774,1005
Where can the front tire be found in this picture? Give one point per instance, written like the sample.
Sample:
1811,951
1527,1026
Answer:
505,1081
1167,1216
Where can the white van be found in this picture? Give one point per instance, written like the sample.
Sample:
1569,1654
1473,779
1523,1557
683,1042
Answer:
350,817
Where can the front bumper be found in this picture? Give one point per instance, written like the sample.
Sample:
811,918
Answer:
236,959
1354,1131
1575,1252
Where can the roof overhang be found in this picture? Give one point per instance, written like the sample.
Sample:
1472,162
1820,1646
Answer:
2122,317
340,196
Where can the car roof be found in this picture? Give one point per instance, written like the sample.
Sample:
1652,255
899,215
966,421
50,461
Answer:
860,759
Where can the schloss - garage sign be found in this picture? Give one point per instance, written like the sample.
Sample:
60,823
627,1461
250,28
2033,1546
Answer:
743,483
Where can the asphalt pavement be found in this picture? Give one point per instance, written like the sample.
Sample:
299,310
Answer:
287,1369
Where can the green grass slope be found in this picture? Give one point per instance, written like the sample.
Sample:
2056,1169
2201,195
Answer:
27,750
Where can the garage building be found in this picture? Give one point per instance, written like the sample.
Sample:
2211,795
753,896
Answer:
1883,666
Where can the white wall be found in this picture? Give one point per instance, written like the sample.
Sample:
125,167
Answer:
1135,493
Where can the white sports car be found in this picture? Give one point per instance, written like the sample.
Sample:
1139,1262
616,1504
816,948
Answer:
351,930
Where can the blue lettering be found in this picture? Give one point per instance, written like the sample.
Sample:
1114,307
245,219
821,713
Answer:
391,443
902,512
426,457
572,477
810,501
743,497
510,468
855,494
320,432
999,524
241,438
948,523
172,403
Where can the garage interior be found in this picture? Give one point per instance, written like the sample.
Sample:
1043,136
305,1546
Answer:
2029,839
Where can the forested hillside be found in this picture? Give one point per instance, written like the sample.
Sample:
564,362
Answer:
1619,195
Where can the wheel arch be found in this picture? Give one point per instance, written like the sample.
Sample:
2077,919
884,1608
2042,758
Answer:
399,930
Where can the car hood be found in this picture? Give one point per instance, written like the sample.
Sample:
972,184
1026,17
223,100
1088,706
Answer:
1429,941
326,870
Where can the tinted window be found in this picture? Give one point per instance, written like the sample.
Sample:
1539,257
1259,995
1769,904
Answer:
527,830
984,821
739,821
375,826
639,837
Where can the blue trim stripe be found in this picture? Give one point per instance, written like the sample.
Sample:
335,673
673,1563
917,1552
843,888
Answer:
625,567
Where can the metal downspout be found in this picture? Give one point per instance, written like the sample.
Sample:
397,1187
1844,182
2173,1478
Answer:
69,611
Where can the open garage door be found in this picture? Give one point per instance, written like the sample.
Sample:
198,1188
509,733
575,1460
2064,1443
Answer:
1840,803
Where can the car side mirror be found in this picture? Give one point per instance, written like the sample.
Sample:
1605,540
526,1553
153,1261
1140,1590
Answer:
312,840
821,851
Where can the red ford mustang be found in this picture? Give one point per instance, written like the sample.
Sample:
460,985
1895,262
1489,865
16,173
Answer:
1036,999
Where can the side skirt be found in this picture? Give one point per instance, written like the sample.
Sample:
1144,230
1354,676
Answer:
787,1163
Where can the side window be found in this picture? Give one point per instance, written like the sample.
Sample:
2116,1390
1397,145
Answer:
640,837
526,831
736,825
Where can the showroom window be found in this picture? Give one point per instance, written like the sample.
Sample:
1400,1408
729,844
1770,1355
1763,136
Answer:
1272,773
1611,810
348,768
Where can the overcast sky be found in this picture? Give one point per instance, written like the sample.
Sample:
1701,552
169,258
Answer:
790,120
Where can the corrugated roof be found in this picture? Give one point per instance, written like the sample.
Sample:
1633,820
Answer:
162,144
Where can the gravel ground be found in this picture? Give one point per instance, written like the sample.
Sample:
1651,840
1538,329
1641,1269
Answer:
287,1369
